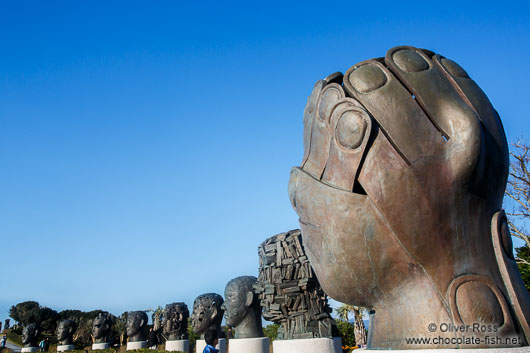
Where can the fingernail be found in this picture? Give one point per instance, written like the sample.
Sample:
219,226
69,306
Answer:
350,130
454,69
330,95
409,61
367,78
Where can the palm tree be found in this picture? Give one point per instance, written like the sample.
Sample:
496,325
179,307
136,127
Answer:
359,330
157,318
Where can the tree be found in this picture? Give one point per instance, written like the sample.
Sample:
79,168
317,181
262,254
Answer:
524,254
157,318
31,312
360,331
25,313
271,331
518,189
192,337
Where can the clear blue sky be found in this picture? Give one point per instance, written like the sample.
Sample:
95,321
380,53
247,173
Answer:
145,147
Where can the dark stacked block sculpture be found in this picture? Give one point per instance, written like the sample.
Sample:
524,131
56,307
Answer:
289,291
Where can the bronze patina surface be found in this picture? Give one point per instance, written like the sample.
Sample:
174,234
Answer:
136,326
29,335
207,314
175,322
101,328
242,307
399,196
65,332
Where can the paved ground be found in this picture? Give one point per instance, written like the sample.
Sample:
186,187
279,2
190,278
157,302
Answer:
12,346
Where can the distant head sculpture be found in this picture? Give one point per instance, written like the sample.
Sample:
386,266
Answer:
289,291
207,314
241,307
399,198
136,324
101,328
175,321
29,335
65,332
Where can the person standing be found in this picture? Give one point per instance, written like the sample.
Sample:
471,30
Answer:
152,340
4,341
41,345
212,340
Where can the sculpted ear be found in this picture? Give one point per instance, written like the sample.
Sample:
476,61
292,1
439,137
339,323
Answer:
142,324
250,298
214,313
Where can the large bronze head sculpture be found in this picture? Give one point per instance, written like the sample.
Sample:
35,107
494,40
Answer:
399,196
65,332
242,308
136,324
175,322
207,314
29,335
101,328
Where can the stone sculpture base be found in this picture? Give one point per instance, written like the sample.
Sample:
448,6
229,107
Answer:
308,345
221,346
65,347
136,345
249,345
29,349
96,346
451,350
178,345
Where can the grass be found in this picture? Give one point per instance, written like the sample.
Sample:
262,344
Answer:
13,337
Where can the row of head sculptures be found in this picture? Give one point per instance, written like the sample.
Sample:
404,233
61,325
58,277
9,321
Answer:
64,332
208,310
287,292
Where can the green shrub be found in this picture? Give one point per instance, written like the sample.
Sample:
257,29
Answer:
271,331
347,332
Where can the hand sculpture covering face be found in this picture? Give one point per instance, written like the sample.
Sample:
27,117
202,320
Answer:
175,322
207,313
101,328
242,309
29,335
65,332
399,194
136,323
